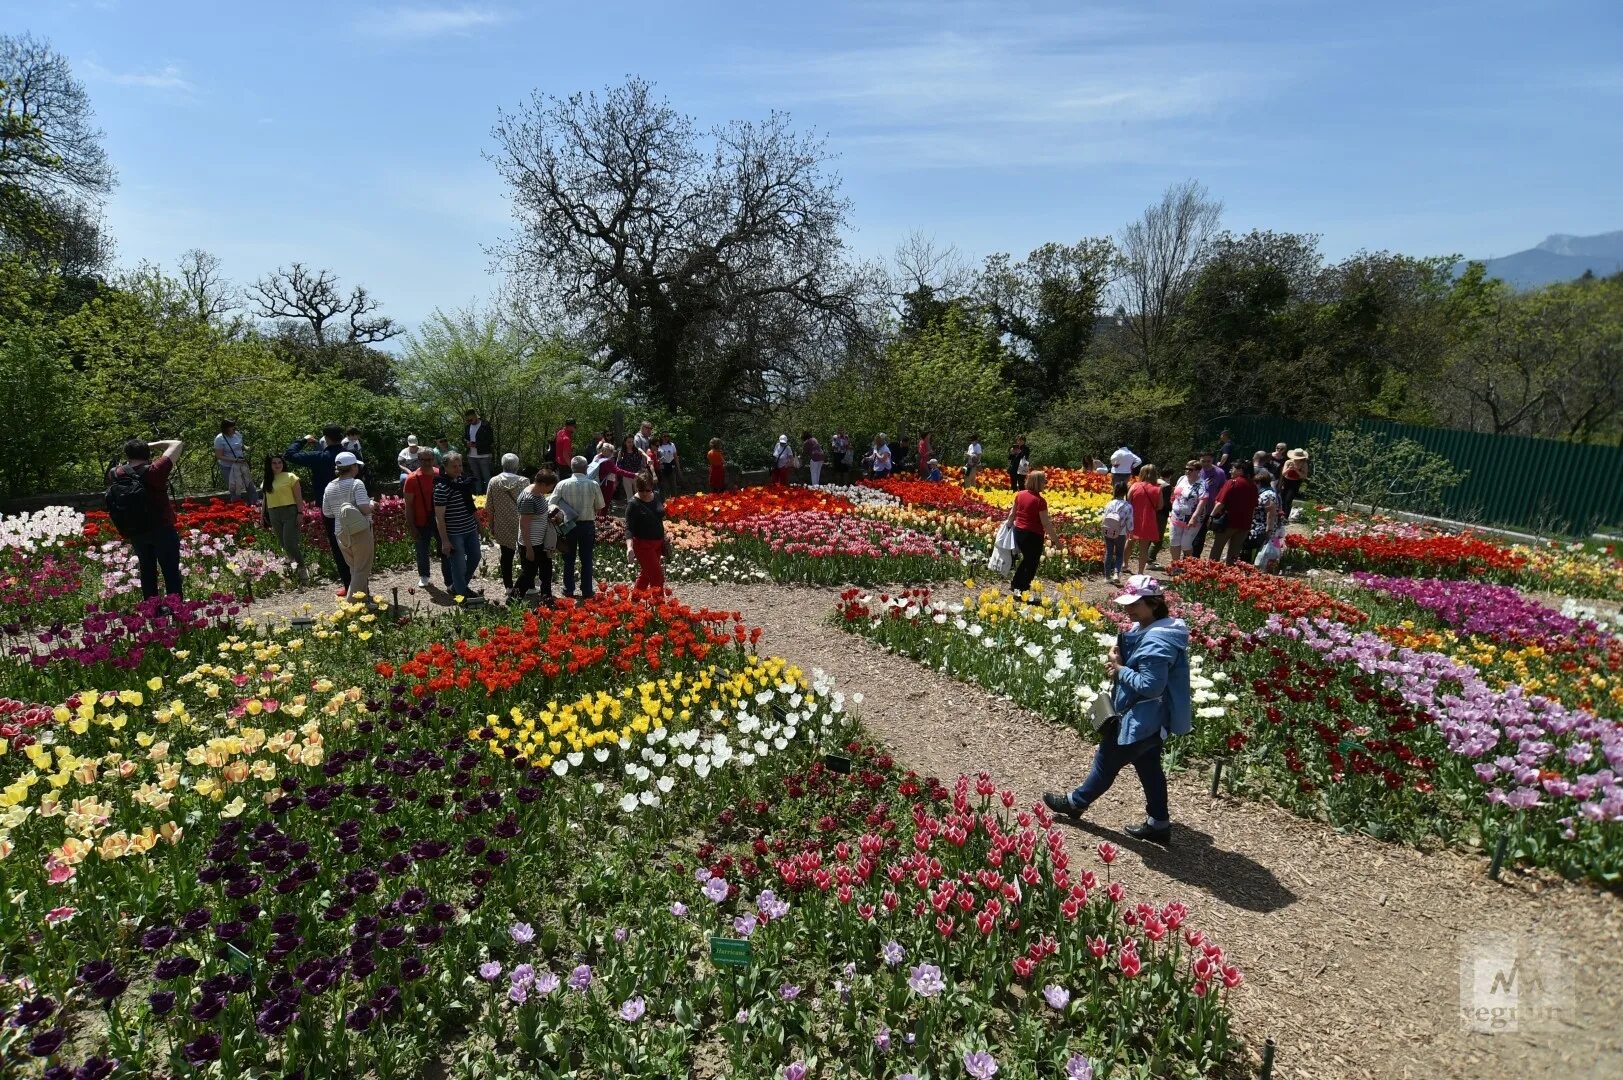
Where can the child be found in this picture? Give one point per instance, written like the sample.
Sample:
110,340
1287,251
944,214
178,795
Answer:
932,471
1117,520
718,466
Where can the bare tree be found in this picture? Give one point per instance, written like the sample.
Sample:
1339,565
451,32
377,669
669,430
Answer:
314,299
211,295
706,270
919,262
1160,254
48,145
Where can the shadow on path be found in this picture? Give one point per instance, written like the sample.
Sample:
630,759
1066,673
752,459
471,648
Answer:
1194,859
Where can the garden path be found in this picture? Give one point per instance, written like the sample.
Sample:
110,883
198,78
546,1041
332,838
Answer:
1352,947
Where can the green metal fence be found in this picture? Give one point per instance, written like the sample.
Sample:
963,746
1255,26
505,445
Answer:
1514,481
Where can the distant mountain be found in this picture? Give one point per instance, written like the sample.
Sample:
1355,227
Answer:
1560,257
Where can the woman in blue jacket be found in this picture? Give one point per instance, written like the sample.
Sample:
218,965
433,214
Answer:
1150,700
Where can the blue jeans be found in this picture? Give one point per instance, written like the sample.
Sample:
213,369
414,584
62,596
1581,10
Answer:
462,561
579,541
1115,554
159,549
425,537
1111,758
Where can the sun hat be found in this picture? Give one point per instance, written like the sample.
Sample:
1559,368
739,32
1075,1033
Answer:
1298,455
1138,587
783,439
346,459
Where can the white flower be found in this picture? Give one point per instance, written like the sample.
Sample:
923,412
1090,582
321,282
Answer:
628,803
665,784
576,758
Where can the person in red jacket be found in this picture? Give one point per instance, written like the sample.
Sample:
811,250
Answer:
1234,507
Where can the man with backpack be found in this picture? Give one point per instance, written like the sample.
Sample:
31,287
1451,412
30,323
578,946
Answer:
321,461
139,506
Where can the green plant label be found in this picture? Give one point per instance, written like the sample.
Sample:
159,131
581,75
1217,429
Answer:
240,961
729,952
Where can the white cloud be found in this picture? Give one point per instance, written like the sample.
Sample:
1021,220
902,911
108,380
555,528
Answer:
168,77
995,89
416,23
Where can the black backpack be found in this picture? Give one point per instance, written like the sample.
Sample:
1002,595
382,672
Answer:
129,503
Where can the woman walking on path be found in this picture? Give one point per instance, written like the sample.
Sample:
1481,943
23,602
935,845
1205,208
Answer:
1019,464
645,535
1145,495
718,467
501,503
284,502
538,536
1030,517
349,506
1149,702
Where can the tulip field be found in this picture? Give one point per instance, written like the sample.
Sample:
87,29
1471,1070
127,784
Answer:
617,837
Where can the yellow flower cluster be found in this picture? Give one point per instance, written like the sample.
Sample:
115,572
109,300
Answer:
603,720
1084,506
1064,601
1532,667
1580,572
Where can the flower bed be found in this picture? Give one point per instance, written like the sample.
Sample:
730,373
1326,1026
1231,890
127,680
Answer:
355,848
818,546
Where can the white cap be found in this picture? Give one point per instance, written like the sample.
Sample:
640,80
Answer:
346,459
1138,587
783,438
411,440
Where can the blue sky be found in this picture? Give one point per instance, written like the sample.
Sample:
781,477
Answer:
349,135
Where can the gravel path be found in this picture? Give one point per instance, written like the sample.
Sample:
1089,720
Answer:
1352,947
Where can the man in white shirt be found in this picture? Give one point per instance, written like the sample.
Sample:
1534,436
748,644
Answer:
644,439
972,460
584,498
345,501
407,458
1123,462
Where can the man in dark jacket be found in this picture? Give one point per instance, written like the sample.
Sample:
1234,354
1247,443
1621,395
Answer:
319,458
481,442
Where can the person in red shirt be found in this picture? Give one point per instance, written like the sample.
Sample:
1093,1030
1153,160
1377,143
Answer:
718,466
1030,517
925,453
1235,505
563,446
1145,496
157,544
418,492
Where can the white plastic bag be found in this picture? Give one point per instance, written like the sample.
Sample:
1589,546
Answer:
1001,562
1004,540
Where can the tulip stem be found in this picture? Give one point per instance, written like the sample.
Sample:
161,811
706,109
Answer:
1498,856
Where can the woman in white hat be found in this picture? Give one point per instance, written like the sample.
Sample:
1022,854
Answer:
1298,467
1149,702
345,501
783,460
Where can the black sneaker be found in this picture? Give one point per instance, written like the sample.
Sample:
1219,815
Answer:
1060,804
1155,834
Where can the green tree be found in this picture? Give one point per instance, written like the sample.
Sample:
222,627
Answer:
39,412
1366,468
526,386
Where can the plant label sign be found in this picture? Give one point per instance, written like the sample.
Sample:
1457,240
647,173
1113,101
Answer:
239,961
837,764
729,952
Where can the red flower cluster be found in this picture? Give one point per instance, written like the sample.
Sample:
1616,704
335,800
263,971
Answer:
1235,585
612,632
213,517
1409,556
728,507
942,496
